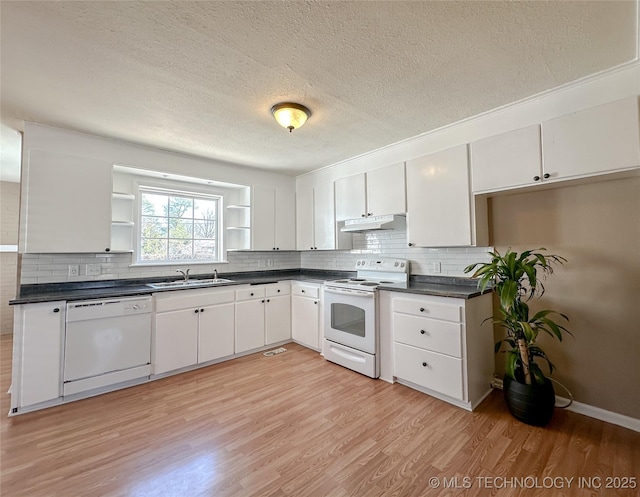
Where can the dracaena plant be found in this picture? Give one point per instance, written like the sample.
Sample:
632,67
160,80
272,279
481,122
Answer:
516,279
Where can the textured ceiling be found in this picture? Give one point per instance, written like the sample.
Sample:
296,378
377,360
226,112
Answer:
200,77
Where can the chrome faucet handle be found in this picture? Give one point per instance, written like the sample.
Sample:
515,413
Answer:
185,274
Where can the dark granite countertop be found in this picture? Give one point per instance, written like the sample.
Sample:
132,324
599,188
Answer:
85,290
440,286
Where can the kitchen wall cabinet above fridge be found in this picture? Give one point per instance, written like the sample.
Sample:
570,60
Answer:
590,142
375,193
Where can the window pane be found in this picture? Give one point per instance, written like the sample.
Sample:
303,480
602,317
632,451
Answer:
204,209
180,250
180,207
154,205
154,227
204,249
180,228
153,249
204,229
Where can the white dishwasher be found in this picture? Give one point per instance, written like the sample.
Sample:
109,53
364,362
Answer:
107,341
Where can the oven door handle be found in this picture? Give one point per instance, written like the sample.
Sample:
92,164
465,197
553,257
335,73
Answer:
344,291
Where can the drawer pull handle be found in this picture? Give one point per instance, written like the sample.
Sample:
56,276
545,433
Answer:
424,364
422,309
57,309
422,332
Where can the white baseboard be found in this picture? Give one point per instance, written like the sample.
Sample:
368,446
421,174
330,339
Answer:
591,411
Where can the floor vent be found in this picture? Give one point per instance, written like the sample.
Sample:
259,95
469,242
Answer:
269,353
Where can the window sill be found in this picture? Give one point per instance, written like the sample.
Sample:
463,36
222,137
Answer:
177,263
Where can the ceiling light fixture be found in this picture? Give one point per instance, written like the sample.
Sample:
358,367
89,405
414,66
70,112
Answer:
290,115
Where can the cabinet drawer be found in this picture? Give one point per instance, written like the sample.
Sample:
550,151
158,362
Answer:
278,289
428,309
431,334
305,290
254,292
429,370
187,299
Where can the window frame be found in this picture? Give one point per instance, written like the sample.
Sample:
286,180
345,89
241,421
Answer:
192,192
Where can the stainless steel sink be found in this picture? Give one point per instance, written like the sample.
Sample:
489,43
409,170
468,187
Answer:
189,283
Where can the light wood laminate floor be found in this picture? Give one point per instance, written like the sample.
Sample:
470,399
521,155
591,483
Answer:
295,425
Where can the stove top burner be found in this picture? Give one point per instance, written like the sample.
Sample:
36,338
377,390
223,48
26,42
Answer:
370,283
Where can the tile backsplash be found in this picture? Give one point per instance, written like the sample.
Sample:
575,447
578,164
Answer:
54,268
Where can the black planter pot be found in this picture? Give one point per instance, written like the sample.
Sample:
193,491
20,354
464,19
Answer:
531,404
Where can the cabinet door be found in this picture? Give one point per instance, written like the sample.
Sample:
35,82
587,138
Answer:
305,319
324,217
38,352
439,200
285,220
351,201
304,219
249,325
278,319
263,218
386,192
216,332
597,140
507,160
175,340
67,203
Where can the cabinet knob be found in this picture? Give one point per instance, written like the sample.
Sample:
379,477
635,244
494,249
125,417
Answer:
107,249
201,310
315,302
57,309
301,291
364,215
263,301
311,248
278,290
273,248
422,332
546,175
277,248
315,248
410,244
536,178
424,364
251,295
422,309
268,301
197,311
369,214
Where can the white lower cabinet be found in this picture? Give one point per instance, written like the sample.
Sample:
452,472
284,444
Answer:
263,316
440,348
38,336
191,327
305,314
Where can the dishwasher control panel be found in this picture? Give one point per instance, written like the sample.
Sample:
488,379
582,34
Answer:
105,308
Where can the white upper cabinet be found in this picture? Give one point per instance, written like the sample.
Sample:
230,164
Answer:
386,192
376,193
66,204
508,160
440,211
273,219
351,201
590,142
593,141
315,220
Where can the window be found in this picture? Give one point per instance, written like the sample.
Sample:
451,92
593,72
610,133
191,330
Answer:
178,227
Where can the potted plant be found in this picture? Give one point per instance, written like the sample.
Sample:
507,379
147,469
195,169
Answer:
516,279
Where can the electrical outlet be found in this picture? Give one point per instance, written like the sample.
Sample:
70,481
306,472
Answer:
262,263
74,269
435,267
93,269
269,262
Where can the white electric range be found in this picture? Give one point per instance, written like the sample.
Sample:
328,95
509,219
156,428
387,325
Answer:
351,313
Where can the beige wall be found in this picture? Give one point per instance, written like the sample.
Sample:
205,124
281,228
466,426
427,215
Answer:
9,207
597,228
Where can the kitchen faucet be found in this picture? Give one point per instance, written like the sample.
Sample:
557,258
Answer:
185,274
215,274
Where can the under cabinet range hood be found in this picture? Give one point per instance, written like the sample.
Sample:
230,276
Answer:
388,222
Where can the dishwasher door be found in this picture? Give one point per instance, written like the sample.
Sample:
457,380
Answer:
107,342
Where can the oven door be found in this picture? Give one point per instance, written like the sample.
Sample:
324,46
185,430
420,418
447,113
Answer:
350,318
